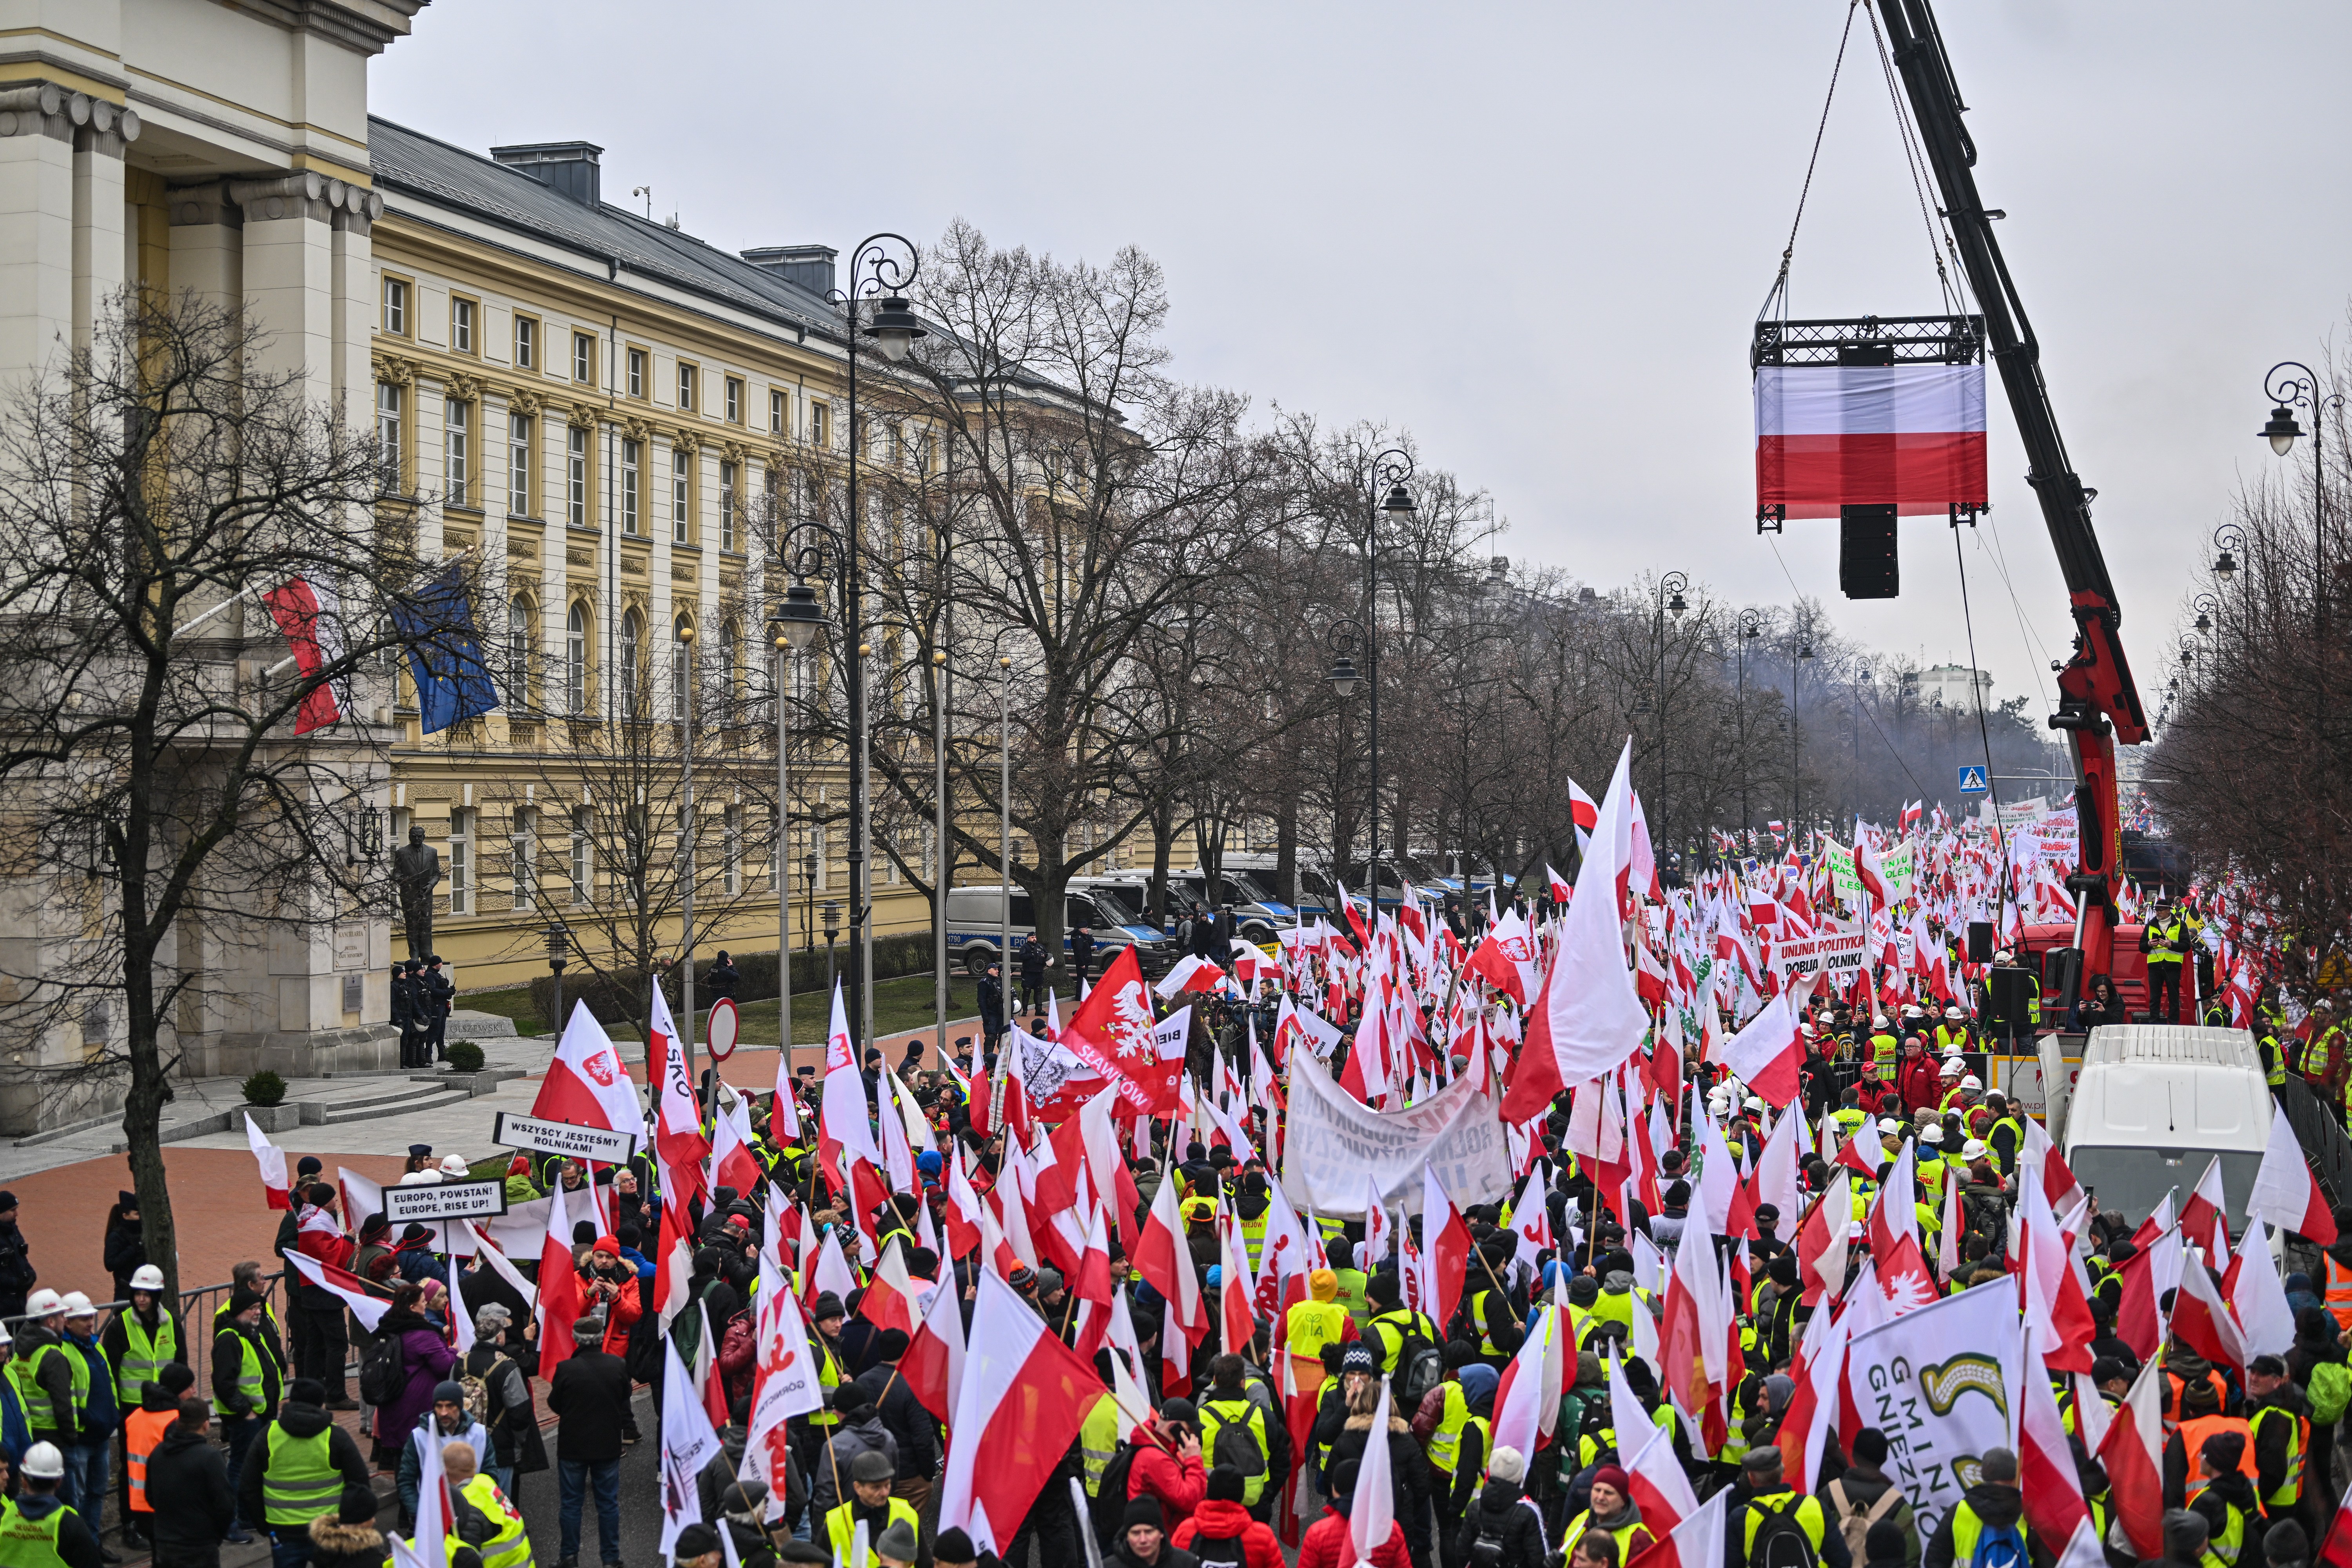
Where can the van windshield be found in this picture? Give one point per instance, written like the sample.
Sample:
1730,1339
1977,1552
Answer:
2132,1182
1247,889
1113,908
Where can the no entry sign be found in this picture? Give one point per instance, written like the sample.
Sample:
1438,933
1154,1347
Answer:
721,1030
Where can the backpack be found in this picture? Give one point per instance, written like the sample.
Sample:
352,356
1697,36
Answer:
1853,1523
478,1398
1226,1551
1108,1507
383,1372
1418,1372
1999,1546
1235,1448
2329,1390
1780,1541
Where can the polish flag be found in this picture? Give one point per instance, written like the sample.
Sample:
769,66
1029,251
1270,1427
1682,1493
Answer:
1163,1259
1696,1542
1372,1516
1587,1016
1583,814
1766,1053
1378,1227
586,1084
1024,1395
1908,436
1818,1369
1445,1248
1237,1315
2204,1217
369,1309
1114,1033
963,1210
843,1129
2057,1308
1192,973
1821,1242
559,1278
2065,1192
272,1160
2201,1322
2054,1493
2133,1456
2285,1192
2259,1298
311,615
2337,1551
830,1271
1526,1399
933,1364
1560,888
892,1302
1660,1487
1871,874
733,1163
785,1384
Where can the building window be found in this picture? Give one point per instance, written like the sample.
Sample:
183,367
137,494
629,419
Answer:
821,424
461,326
583,865
576,505
636,372
726,506
629,454
685,389
631,635
395,307
583,358
732,842
734,400
522,842
526,342
777,408
387,437
575,659
518,496
456,423
518,648
680,496
461,862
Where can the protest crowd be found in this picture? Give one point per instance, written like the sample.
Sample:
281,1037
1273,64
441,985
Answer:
1635,1224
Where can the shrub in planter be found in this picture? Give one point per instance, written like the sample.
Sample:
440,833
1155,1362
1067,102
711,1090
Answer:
264,1088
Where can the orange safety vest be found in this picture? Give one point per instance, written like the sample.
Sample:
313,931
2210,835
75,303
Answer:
2339,1291
143,1434
2172,1411
2192,1441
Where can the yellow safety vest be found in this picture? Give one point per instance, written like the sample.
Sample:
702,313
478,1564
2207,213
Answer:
1967,1526
30,1542
510,1545
298,1480
1623,1535
2298,1437
1248,1414
1811,1520
1352,1283
841,1529
1098,1441
1314,1324
2221,1550
144,1356
1445,1442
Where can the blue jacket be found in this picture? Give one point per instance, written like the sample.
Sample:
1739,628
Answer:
100,1415
643,1264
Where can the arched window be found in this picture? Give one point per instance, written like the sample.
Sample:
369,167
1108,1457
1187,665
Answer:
631,672
519,651
575,659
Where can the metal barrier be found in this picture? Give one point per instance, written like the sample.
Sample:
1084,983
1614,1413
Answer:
2325,1145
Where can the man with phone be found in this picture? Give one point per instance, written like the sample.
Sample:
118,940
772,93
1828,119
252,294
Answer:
1167,1463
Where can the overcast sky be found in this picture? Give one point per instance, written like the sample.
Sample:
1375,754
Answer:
1537,235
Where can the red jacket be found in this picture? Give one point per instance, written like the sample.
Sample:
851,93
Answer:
1327,1546
1220,1521
1916,1081
1178,1484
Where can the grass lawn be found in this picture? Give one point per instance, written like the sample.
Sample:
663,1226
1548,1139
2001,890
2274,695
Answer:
899,1005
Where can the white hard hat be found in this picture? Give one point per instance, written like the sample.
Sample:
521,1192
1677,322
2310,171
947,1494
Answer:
1931,1133
6,1337
1878,1021
1972,1150
44,1303
1972,1083
1888,1125
147,1277
77,1305
44,1463
423,1178
1952,1067
1755,1102
455,1165
1952,1012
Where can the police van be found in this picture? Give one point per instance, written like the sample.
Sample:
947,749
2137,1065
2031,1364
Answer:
977,921
1257,912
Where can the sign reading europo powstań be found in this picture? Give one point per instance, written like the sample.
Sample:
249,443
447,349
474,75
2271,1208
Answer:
431,1201
568,1139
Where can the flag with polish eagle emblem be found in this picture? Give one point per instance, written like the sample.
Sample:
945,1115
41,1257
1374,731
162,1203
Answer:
1113,1032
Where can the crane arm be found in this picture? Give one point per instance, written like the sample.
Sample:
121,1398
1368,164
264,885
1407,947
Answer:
2099,703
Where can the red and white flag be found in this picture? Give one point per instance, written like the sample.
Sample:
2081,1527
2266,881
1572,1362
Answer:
1190,972
2285,1193
1560,888
585,1083
369,1309
1821,1242
1371,1513
1527,1399
1908,436
842,1126
1696,1542
1766,1053
2336,1552
1165,1260
558,1280
1445,1249
2133,1456
1114,1033
2054,1493
933,1364
311,615
272,1160
1584,813
1025,1394
2204,1218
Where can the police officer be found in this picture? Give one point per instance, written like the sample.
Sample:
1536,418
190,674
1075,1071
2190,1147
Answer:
405,1010
439,993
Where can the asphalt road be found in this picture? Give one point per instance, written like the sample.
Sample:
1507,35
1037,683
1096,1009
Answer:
539,1497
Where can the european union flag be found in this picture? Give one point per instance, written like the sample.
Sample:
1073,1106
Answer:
444,654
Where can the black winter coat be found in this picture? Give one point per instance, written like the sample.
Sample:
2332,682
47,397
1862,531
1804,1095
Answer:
1505,1513
908,1423
187,1482
334,1545
299,1421
589,1397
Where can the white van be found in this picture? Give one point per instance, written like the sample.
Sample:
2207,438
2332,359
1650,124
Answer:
2154,1102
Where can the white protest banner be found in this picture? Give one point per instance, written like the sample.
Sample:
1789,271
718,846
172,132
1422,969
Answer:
1898,863
1335,1141
1839,952
1941,1405
444,1200
565,1137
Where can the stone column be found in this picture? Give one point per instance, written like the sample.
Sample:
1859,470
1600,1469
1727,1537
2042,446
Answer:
356,211
207,245
289,275
100,133
37,209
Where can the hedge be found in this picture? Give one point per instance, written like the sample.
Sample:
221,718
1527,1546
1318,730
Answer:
616,998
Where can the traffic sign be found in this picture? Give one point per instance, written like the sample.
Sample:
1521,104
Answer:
1973,782
720,1030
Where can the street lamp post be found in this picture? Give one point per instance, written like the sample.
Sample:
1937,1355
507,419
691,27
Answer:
1005,822
943,857
559,950
781,636
1672,584
1390,470
2289,392
1343,637
1796,740
683,652
1751,627
873,306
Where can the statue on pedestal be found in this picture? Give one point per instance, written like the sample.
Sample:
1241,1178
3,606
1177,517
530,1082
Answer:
416,872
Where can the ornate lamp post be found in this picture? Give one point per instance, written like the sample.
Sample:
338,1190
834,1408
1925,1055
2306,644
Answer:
1391,500
1751,627
1670,604
2289,392
1343,637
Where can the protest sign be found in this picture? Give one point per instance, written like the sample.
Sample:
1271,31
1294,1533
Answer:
565,1137
444,1200
1937,1381
1334,1140
1839,952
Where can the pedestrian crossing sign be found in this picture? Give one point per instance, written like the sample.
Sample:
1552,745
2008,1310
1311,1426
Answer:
1972,782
